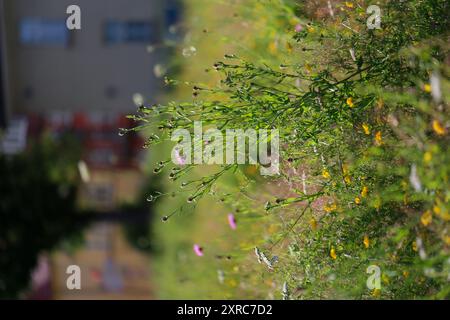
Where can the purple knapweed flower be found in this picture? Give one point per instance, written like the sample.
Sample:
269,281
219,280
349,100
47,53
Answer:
179,159
298,27
232,221
198,250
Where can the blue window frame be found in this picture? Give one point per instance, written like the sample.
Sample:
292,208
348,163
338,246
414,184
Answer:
37,31
130,32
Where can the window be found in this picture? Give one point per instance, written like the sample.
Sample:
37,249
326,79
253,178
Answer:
35,31
130,32
172,15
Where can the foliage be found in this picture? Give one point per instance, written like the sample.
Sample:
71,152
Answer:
363,116
37,209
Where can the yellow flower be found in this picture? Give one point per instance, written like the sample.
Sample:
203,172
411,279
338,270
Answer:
385,278
376,293
348,4
333,254
357,200
437,127
427,156
350,102
308,68
330,208
442,212
414,246
325,174
364,191
426,218
313,223
366,129
447,240
366,241
273,47
405,273
427,88
347,179
437,210
311,29
378,138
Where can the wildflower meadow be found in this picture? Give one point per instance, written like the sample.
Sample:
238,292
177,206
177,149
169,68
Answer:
359,208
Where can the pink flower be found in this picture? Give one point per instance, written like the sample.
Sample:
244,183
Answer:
232,221
298,27
198,250
179,159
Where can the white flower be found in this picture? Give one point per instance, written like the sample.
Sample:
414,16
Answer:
220,276
262,258
422,253
435,83
258,254
352,54
266,261
414,179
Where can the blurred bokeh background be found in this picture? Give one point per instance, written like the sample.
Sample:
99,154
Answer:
72,188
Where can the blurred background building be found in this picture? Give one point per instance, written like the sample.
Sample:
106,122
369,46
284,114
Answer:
84,82
95,69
